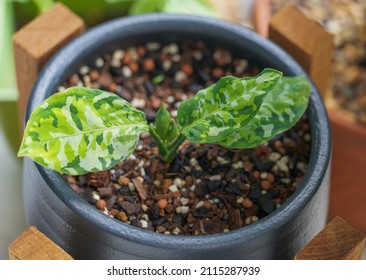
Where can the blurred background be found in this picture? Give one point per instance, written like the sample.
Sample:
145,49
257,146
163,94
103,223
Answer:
345,19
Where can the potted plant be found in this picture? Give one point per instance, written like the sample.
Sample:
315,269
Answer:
85,232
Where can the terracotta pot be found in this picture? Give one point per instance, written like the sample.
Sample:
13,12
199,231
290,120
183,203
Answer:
86,233
348,176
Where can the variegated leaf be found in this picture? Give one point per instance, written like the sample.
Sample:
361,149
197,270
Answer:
281,109
82,130
218,111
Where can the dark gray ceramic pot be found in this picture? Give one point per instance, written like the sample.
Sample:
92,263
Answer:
86,233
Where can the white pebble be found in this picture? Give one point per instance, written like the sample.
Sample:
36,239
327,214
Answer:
152,46
116,63
242,65
199,204
255,219
126,72
61,88
178,182
214,178
198,181
184,209
184,96
222,160
263,192
141,163
133,53
144,208
193,187
142,171
174,113
226,230
145,217
96,196
84,70
184,201
180,76
118,54
132,157
171,49
302,166
99,62
132,187
248,220
167,65
139,147
176,58
285,180
176,231
264,175
239,200
193,162
170,99
138,103
274,156
143,223
282,164
86,80
173,188
216,200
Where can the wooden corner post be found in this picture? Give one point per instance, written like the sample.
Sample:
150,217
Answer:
307,41
337,241
36,42
34,245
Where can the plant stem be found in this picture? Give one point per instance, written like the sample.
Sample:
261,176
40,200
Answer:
174,147
167,150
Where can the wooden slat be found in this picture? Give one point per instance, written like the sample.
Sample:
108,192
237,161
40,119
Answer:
34,245
337,241
36,42
261,16
307,41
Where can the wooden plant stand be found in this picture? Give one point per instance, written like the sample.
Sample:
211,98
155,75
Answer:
337,241
36,42
34,45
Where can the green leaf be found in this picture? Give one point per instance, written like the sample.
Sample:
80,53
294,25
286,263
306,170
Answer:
281,110
162,122
217,112
173,131
196,7
146,6
82,130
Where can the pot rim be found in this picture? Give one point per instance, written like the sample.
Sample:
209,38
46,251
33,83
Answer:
320,131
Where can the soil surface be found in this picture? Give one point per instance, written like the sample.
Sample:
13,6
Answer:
207,189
